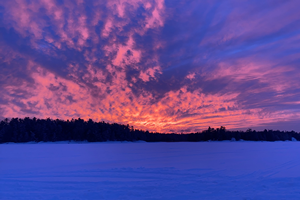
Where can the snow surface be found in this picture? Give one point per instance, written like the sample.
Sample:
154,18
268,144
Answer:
116,170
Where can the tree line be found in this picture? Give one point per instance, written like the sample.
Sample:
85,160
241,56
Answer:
48,130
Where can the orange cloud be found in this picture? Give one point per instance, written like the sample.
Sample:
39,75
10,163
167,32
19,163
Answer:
178,110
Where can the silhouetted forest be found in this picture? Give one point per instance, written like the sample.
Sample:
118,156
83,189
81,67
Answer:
27,129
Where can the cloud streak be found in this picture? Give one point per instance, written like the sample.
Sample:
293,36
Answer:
158,65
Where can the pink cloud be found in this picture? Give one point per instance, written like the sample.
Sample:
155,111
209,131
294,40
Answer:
246,70
98,85
26,20
57,97
122,58
107,28
156,19
191,76
150,73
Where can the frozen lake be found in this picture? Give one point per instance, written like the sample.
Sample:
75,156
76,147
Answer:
200,170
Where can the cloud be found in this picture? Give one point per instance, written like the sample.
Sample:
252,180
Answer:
150,73
191,76
157,65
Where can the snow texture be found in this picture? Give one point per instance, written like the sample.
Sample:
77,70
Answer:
120,170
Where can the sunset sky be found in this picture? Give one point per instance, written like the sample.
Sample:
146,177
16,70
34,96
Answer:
168,66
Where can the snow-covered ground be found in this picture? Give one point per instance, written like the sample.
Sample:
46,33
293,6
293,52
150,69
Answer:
200,170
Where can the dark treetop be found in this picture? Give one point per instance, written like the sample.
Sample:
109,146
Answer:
27,129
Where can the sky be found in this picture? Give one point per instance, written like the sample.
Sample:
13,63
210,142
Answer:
168,66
